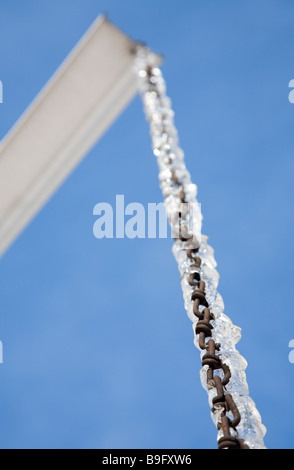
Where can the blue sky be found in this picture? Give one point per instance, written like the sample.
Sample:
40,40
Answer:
98,350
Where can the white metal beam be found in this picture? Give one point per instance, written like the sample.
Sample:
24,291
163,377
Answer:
92,86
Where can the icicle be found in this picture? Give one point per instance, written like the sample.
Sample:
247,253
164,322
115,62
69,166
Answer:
175,181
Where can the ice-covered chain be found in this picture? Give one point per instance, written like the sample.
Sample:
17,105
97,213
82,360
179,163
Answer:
223,368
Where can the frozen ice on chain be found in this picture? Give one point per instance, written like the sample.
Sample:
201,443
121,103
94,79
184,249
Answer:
172,170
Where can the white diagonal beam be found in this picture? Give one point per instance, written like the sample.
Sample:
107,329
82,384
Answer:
84,96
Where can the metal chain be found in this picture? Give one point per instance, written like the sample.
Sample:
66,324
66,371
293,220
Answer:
178,193
222,400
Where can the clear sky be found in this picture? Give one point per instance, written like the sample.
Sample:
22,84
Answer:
98,350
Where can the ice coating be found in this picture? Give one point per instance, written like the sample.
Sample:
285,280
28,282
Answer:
174,180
